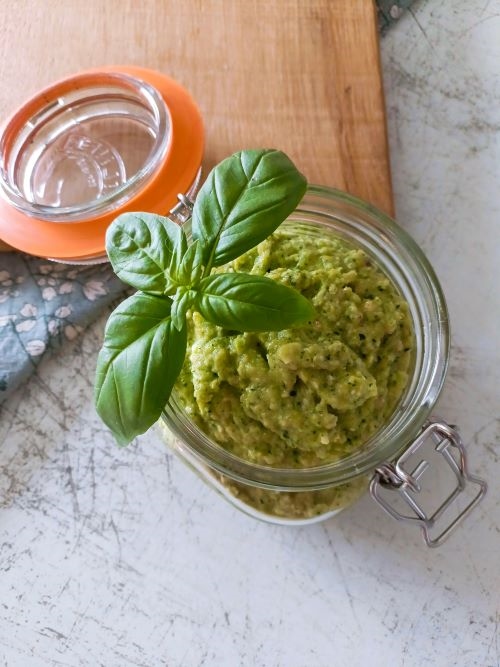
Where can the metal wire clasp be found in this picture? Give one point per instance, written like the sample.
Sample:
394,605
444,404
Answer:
394,477
182,210
184,207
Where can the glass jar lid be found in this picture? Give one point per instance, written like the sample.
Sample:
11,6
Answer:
90,147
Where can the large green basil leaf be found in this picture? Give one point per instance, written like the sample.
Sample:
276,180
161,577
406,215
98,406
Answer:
243,200
145,250
138,364
250,303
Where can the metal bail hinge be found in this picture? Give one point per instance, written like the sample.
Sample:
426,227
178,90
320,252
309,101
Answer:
393,477
183,209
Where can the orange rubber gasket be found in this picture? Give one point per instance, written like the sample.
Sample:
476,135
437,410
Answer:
175,175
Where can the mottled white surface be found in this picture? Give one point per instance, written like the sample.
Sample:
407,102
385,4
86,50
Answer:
122,557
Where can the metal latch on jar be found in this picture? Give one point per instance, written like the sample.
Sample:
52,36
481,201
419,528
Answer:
183,209
394,478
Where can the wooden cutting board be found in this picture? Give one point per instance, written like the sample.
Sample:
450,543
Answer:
299,75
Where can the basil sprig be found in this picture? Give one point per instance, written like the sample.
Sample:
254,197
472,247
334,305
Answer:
244,199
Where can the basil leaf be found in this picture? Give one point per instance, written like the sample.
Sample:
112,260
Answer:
243,200
190,269
144,250
138,364
250,303
182,301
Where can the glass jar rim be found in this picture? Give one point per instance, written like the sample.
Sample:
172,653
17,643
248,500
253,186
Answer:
401,258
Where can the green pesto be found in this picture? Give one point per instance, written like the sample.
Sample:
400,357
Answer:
311,395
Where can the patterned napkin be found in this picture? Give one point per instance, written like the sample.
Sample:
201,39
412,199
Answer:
389,11
42,303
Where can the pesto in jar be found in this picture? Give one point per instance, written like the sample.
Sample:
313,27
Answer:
311,395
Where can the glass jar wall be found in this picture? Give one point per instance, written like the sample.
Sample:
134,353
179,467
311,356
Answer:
313,490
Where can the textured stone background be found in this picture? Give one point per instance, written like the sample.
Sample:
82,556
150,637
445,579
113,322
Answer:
122,557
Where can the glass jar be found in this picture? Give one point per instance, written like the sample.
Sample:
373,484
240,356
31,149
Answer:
90,147
305,495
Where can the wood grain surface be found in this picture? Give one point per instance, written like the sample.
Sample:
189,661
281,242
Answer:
302,76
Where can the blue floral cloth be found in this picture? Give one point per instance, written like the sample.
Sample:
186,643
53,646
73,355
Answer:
389,11
43,304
